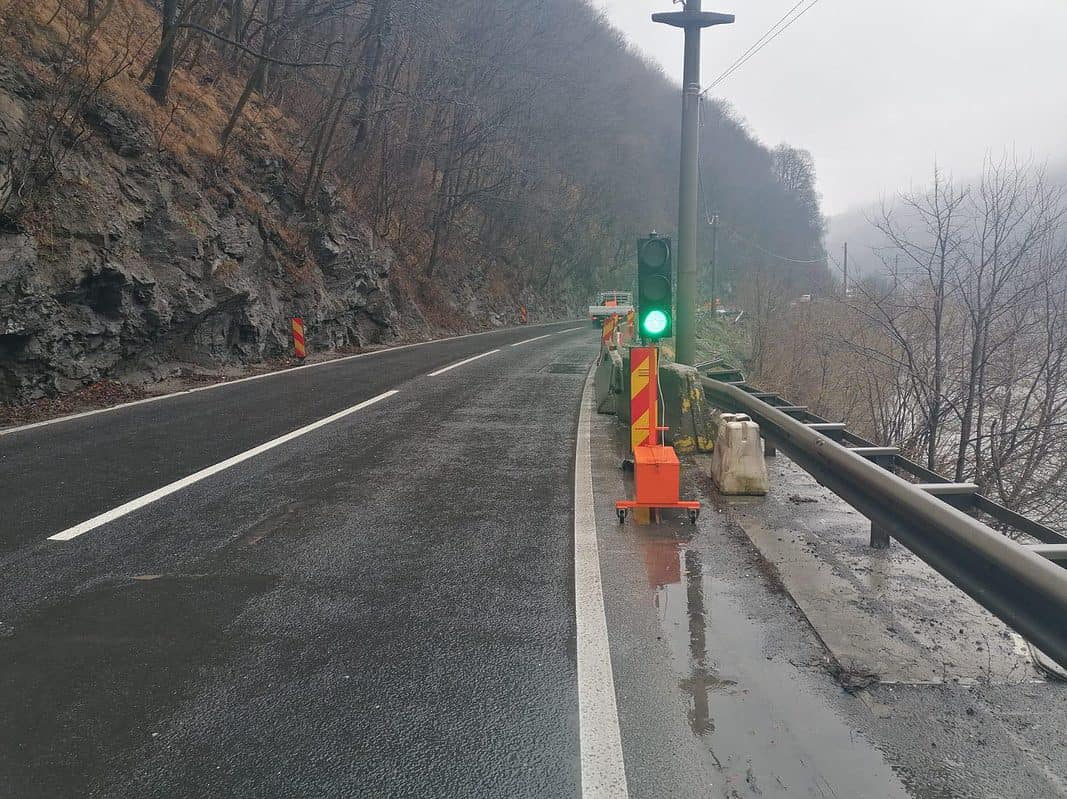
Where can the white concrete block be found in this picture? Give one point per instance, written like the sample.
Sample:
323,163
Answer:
737,464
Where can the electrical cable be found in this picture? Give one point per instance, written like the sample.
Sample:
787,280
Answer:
745,58
756,43
732,69
659,388
733,232
708,216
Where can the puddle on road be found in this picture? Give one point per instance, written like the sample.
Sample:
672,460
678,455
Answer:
767,731
675,576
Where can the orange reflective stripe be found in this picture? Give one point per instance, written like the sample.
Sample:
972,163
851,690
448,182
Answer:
642,396
299,347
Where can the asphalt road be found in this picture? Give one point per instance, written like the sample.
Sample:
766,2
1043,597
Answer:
380,606
401,575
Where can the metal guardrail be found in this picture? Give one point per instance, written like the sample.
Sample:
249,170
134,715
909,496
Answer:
1023,585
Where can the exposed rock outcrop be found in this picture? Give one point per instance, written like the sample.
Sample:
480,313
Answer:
130,265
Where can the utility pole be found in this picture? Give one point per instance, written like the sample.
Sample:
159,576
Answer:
845,280
714,262
692,21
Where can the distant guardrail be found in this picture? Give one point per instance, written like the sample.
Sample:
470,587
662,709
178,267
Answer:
1025,585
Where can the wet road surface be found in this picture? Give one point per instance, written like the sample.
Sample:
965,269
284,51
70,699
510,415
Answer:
726,689
372,590
381,607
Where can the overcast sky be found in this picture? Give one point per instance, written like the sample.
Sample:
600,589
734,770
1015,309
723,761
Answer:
877,91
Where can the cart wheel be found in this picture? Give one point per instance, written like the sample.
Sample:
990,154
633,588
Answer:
693,514
621,513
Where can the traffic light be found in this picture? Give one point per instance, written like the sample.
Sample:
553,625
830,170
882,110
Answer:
655,289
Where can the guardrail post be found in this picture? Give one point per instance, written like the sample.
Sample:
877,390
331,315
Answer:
769,450
879,537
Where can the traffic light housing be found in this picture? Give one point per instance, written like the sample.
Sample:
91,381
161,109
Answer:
655,288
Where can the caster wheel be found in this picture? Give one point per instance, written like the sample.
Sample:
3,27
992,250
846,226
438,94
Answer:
693,514
621,513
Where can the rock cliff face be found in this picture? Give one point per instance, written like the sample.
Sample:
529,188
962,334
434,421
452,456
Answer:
130,265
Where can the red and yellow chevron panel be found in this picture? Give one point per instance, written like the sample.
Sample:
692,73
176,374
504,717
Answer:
299,348
609,328
643,399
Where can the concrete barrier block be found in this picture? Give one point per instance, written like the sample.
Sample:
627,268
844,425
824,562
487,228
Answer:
737,464
685,410
622,399
608,383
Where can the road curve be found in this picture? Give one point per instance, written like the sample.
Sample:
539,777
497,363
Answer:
381,605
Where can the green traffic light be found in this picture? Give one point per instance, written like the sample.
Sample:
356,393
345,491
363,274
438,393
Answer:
654,323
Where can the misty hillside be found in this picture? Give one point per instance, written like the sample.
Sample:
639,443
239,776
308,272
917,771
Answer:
177,179
858,227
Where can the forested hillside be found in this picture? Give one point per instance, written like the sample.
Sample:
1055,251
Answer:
179,178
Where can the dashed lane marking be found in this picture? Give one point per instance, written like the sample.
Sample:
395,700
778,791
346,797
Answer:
527,341
457,364
196,477
213,386
603,771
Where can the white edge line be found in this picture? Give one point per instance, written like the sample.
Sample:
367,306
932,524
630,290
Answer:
603,769
527,341
460,363
178,485
70,417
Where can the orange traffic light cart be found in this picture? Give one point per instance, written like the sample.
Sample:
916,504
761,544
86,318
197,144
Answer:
657,472
656,482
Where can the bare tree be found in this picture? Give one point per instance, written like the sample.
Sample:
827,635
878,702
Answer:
165,59
957,352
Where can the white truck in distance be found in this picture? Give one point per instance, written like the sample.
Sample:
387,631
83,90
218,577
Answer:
609,302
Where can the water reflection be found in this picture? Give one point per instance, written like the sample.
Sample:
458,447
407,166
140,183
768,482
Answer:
676,577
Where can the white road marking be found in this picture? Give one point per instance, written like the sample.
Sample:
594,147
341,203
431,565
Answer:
527,341
460,363
83,414
603,771
570,330
196,477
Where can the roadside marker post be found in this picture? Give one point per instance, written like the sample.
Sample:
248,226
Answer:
657,471
299,347
608,334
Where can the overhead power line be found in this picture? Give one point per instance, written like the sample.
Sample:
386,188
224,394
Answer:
772,33
758,41
733,232
709,217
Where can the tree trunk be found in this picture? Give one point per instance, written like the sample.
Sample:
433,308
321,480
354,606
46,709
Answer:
327,127
254,82
235,28
165,61
371,63
250,86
